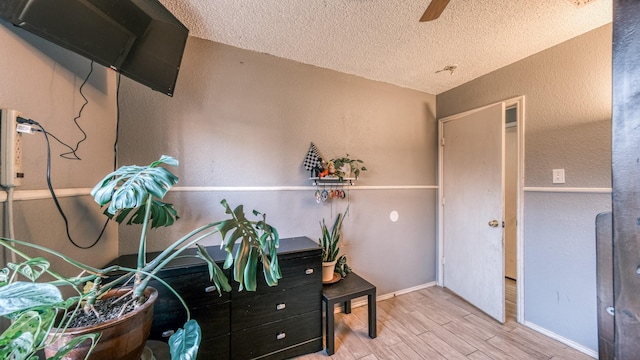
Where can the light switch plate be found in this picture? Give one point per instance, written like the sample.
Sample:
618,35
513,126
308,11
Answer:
558,176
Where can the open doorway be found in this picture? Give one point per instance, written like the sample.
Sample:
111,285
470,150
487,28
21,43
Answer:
511,211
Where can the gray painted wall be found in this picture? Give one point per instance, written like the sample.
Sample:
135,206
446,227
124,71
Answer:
241,118
568,126
42,81
568,108
560,264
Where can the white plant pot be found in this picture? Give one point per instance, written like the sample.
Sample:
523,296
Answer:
328,268
346,170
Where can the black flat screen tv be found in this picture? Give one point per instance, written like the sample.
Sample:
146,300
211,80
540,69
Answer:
139,38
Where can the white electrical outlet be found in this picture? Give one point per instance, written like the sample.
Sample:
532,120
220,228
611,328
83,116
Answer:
10,149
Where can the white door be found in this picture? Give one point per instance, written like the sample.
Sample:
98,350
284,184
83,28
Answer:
473,205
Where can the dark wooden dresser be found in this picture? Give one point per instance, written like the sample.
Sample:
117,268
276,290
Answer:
271,323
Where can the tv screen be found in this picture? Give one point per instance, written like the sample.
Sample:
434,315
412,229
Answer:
139,38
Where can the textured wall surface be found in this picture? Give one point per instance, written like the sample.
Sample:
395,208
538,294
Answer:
243,119
567,126
568,108
42,81
560,263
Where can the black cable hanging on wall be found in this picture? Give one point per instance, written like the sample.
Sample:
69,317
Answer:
74,156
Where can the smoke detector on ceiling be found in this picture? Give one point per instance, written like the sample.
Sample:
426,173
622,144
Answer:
581,3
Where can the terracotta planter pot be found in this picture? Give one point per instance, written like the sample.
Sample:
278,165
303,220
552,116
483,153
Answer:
123,338
328,268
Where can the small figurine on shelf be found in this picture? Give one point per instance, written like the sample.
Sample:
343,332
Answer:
341,266
318,169
331,167
321,169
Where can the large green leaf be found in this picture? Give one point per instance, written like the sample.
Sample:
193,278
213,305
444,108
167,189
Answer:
162,214
18,345
20,296
4,276
242,257
215,273
27,333
32,269
129,186
185,342
251,270
21,348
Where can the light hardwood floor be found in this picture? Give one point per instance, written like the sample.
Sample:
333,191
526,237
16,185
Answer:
435,324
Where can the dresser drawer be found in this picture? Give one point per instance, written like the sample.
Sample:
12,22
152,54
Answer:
275,336
213,321
214,348
195,288
297,271
262,309
218,348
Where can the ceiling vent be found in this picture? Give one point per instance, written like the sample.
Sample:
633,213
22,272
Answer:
581,3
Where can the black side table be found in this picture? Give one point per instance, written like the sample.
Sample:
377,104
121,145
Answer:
342,292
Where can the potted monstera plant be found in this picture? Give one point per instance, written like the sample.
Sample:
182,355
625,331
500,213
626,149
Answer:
40,317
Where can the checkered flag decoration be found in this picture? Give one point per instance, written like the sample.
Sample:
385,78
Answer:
313,159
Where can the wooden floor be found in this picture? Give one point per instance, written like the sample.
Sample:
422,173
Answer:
434,324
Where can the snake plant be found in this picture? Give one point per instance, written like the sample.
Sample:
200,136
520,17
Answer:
330,240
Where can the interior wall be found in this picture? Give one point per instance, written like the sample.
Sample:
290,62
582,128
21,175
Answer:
567,126
42,81
241,123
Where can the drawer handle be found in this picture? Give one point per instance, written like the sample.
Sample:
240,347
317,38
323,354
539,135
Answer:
211,288
611,311
168,333
281,336
281,306
308,271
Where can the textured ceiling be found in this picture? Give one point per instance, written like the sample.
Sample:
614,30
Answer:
383,40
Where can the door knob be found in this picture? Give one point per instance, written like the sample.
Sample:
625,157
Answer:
494,223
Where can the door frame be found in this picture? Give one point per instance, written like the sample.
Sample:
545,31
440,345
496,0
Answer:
519,103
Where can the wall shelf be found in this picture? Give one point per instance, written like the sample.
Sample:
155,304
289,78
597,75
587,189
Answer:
330,180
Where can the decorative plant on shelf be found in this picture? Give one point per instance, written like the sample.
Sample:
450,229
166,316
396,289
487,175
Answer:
133,194
354,165
330,242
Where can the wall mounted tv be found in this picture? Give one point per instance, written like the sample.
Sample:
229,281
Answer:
139,38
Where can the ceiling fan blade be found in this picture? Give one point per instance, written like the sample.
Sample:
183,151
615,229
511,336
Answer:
436,7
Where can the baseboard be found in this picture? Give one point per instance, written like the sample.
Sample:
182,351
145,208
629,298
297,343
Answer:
583,349
363,302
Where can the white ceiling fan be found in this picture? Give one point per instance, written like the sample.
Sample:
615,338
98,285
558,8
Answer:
435,8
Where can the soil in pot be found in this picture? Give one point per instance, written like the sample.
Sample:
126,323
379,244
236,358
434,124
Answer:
121,338
108,309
